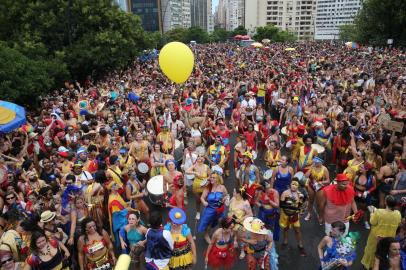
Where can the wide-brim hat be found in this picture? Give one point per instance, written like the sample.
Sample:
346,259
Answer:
255,225
47,216
177,216
32,135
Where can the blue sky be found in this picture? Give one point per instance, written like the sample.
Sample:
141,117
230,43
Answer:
214,4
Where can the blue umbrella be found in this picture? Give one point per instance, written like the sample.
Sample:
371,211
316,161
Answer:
12,116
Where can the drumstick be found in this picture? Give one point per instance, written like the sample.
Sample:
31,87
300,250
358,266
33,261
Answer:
194,230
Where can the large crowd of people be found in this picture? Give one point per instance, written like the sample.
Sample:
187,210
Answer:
256,142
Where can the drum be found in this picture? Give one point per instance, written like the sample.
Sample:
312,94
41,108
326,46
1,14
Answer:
143,168
254,155
178,152
268,174
155,190
217,169
200,150
256,127
302,179
317,186
284,131
288,144
320,149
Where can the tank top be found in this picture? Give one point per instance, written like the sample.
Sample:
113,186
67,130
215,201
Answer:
134,236
282,181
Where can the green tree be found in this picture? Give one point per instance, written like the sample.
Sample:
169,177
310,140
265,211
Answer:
197,34
379,20
22,78
285,36
273,33
86,36
266,32
176,34
348,32
240,30
220,35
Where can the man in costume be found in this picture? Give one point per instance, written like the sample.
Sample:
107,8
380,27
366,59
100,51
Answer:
160,244
306,154
248,176
336,203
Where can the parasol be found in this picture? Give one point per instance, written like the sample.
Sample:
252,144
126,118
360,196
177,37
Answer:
265,41
352,45
257,45
12,116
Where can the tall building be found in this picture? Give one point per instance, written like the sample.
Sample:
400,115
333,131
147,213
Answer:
234,14
295,16
201,14
123,4
330,14
220,14
175,13
150,13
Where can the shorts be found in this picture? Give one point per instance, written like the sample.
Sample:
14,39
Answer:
286,221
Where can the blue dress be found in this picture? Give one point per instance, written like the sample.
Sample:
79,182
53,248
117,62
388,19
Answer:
331,254
282,181
212,212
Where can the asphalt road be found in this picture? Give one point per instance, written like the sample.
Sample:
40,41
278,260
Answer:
289,258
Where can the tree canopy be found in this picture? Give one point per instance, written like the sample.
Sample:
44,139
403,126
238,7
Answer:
378,21
273,33
82,37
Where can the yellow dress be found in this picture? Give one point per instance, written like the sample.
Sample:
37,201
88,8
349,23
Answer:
352,169
166,139
305,160
272,159
116,175
197,188
383,224
182,257
296,148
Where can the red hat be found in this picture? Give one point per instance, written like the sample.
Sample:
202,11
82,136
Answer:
341,177
301,128
63,154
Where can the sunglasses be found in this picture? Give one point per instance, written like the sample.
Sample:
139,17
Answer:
6,261
10,198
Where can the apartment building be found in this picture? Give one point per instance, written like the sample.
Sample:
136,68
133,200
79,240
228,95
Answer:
330,14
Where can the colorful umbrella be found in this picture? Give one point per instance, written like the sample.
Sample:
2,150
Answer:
265,41
12,116
246,37
352,45
238,37
290,49
257,45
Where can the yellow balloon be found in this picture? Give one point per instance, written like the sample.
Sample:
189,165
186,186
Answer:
123,262
176,61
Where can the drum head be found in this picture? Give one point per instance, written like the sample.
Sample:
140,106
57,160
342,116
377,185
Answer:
268,174
204,182
217,169
155,185
200,150
254,155
284,131
288,144
320,149
299,175
178,144
143,167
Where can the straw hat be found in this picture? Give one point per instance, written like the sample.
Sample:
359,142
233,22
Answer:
47,216
255,225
